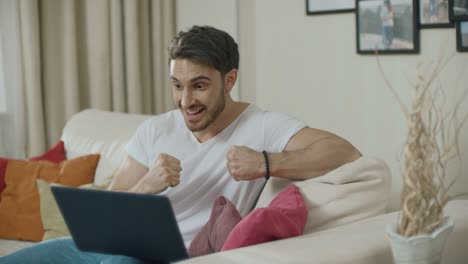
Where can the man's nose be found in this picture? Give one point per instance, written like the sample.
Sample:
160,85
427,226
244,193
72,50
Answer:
187,98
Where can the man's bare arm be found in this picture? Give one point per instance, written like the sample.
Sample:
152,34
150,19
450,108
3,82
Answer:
133,176
128,175
310,153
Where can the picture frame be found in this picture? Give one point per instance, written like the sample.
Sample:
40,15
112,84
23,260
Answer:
379,30
462,36
434,14
458,10
318,7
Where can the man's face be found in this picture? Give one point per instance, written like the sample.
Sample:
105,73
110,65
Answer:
198,91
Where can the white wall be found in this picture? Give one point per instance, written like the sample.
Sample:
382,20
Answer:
308,66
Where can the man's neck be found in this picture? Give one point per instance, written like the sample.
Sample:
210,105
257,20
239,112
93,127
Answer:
231,112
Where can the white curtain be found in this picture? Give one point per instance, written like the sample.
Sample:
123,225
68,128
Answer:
76,54
12,137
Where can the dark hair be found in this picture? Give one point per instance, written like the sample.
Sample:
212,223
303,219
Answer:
207,46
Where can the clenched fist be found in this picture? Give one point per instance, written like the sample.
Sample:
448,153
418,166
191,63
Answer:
244,163
164,173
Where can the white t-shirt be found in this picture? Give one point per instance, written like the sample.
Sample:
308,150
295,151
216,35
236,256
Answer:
387,16
204,174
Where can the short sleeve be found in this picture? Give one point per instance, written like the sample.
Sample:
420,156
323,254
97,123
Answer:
279,128
136,146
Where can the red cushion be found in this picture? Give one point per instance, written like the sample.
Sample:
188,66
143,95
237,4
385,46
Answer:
224,216
56,154
284,217
3,164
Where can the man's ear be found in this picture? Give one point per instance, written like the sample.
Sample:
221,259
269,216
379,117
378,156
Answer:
230,80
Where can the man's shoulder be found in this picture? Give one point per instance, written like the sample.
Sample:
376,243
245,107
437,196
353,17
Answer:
256,111
255,114
252,112
164,120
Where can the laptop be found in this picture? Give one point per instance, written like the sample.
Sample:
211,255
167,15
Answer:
121,223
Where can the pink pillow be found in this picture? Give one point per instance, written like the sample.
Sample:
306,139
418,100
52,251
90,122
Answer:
56,154
284,217
224,216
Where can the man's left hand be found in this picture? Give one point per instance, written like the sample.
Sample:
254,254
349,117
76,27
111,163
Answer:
244,163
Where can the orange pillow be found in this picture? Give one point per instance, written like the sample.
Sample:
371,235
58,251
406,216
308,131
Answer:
20,216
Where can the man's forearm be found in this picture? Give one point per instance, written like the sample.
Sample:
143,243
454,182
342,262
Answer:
140,187
314,160
150,185
135,177
125,186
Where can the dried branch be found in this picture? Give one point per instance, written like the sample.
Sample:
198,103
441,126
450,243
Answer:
392,90
432,142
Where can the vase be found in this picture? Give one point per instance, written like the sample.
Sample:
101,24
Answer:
420,249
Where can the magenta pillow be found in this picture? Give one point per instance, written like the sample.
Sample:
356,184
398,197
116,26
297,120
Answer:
56,154
284,217
224,216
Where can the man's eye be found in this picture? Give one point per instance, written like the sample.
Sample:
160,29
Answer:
200,86
176,86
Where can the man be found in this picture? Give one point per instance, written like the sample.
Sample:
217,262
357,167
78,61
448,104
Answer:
432,11
211,146
386,16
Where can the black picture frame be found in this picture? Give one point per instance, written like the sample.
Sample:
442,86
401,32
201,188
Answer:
320,7
373,37
462,36
458,10
434,14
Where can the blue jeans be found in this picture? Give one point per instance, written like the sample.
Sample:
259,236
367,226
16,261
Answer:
62,250
387,36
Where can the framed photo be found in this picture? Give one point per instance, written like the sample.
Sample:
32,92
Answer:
387,26
434,14
462,36
458,10
317,7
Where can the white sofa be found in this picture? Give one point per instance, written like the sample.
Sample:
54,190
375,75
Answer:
347,207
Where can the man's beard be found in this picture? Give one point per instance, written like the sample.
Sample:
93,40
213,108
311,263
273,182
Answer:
212,115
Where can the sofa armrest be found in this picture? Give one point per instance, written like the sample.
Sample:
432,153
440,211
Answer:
361,242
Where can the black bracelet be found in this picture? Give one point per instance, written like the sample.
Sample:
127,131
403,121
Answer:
267,165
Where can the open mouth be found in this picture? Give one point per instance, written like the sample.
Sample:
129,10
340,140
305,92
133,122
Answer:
194,113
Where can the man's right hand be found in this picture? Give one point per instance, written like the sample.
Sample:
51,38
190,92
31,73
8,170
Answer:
164,173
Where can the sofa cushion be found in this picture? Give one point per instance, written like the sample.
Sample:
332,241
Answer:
89,132
362,242
356,190
19,207
52,220
55,154
284,217
224,216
